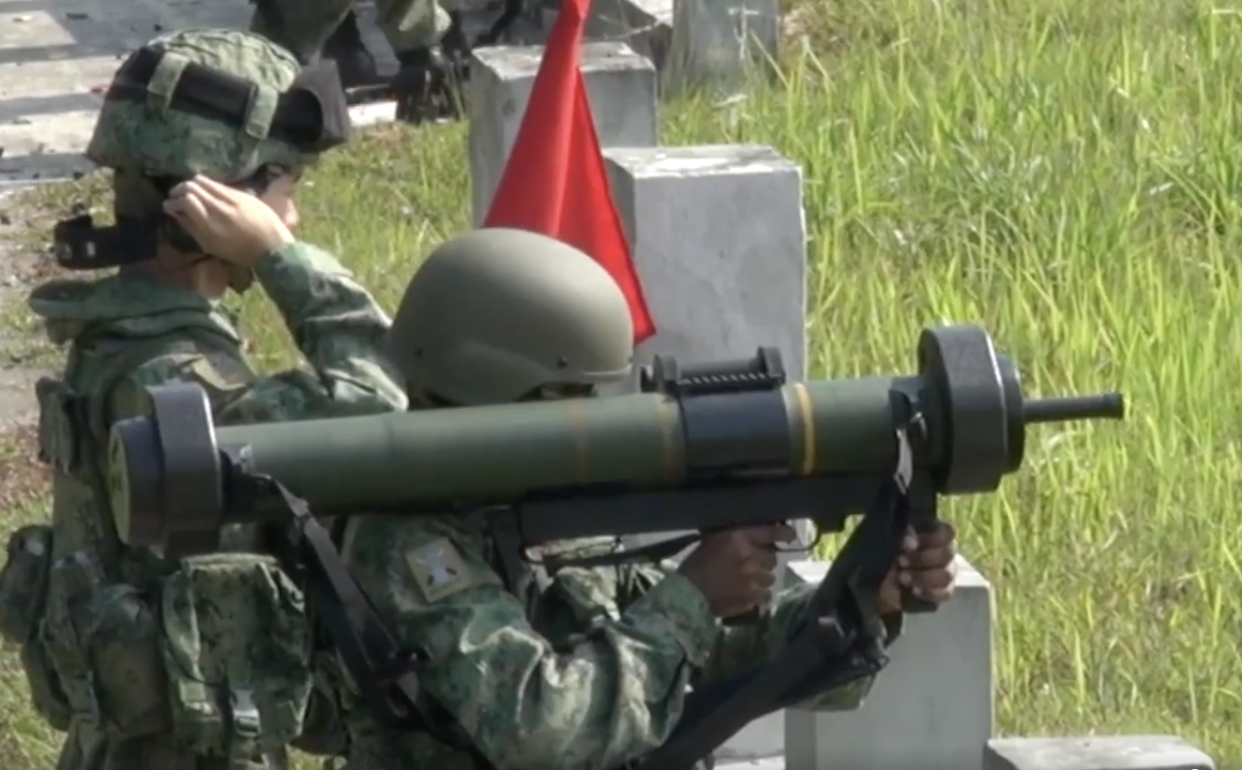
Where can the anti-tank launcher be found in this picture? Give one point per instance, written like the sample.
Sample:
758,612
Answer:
702,448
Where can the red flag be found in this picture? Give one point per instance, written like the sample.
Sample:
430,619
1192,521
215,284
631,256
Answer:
555,181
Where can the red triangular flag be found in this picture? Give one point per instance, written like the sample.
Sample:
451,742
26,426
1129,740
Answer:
555,181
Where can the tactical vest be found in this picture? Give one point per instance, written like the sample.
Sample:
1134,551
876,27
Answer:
213,650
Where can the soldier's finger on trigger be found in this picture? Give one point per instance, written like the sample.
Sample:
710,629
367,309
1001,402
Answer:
763,558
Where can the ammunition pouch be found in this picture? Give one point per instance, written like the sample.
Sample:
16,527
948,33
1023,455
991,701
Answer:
193,658
23,601
213,651
103,642
236,643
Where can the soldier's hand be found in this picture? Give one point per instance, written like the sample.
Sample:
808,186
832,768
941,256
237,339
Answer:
229,224
736,569
927,567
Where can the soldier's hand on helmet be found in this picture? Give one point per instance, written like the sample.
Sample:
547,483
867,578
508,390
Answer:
736,569
927,567
229,224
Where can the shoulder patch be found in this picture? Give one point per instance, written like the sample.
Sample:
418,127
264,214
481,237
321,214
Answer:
220,374
441,571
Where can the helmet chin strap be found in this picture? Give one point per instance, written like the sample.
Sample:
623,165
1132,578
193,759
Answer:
240,279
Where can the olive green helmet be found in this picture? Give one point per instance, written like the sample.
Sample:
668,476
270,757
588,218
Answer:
496,314
143,126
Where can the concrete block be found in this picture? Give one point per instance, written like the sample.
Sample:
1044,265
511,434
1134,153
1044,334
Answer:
719,240
645,25
1127,752
716,43
691,42
932,708
621,87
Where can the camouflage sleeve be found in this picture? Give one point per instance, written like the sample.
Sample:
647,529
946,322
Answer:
336,324
602,700
737,648
339,328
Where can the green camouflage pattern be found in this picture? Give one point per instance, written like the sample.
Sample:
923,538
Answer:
337,324
170,143
115,619
23,601
594,667
303,26
23,582
235,631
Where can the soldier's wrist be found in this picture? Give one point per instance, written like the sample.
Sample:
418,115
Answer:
680,607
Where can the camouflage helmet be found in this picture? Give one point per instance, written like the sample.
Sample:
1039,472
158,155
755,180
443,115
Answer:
495,314
144,128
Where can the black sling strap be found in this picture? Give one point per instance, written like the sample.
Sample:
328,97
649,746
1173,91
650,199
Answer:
384,674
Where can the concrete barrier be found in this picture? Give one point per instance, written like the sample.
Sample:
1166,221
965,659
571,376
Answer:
693,43
932,708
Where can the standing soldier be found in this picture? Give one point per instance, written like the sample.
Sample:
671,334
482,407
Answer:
196,664
426,39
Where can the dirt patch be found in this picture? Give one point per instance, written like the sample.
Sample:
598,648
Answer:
26,220
22,477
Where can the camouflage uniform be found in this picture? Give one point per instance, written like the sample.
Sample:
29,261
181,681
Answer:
304,26
200,663
576,668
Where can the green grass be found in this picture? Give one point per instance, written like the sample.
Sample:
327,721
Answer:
1063,173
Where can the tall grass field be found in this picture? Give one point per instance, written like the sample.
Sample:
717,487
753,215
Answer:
1066,174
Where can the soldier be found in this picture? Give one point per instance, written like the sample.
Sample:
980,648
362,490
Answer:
197,664
577,668
426,39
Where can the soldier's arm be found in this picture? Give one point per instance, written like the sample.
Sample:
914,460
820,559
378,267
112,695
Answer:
336,324
737,648
608,697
